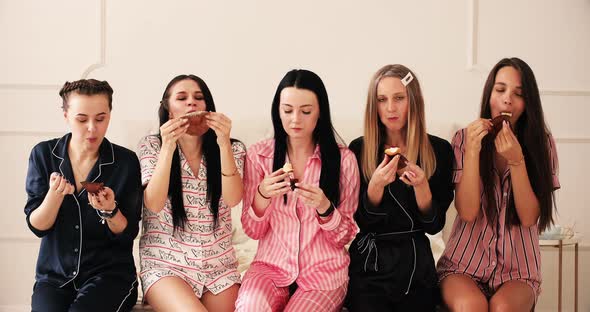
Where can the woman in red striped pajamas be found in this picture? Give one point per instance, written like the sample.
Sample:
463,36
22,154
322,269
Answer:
505,174
301,263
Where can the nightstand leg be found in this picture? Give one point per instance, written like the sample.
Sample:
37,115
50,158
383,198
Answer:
576,279
559,276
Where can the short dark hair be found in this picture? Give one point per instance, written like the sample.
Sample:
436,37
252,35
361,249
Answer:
86,87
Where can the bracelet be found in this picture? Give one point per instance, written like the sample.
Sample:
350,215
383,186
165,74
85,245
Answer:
516,163
259,192
107,214
328,212
231,174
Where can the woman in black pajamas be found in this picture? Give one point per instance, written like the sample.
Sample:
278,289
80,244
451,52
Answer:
401,199
85,260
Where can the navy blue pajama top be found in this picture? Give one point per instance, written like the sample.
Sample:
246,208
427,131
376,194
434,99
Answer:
78,246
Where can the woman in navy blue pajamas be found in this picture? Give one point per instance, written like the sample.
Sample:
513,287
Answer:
85,260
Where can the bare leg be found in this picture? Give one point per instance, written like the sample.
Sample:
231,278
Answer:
224,301
460,293
513,296
173,294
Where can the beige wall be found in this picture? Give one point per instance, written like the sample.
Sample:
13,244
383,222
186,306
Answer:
243,48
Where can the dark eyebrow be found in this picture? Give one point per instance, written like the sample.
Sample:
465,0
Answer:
84,115
504,85
304,105
184,92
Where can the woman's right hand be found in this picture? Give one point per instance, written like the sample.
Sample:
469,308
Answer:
172,130
385,172
274,184
59,185
476,131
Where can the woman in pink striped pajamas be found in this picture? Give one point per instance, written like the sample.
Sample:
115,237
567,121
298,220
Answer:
505,174
301,263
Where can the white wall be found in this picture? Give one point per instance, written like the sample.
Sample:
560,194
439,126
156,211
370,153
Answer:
243,48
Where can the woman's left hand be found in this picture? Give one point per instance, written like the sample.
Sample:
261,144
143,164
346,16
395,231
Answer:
413,175
221,124
507,144
103,200
313,196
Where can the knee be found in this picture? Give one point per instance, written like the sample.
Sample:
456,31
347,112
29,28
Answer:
500,304
47,297
467,304
253,299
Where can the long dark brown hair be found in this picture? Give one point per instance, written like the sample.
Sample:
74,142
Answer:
533,135
210,154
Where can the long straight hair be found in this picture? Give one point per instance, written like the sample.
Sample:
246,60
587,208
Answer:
210,154
324,134
375,132
532,133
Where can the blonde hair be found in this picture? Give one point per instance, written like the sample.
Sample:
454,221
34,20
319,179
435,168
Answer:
417,141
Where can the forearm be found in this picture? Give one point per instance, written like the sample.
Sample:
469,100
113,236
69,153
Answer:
254,223
467,198
231,182
156,191
117,223
339,228
374,194
525,200
260,204
423,198
44,216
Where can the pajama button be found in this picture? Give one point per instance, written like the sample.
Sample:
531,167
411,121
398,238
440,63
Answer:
74,273
493,262
75,249
77,227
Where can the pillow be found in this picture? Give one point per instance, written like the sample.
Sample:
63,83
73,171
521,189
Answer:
244,246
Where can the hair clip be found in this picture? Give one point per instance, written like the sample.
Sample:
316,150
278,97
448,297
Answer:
407,79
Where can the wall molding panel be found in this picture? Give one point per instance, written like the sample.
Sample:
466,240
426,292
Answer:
31,133
98,64
473,40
